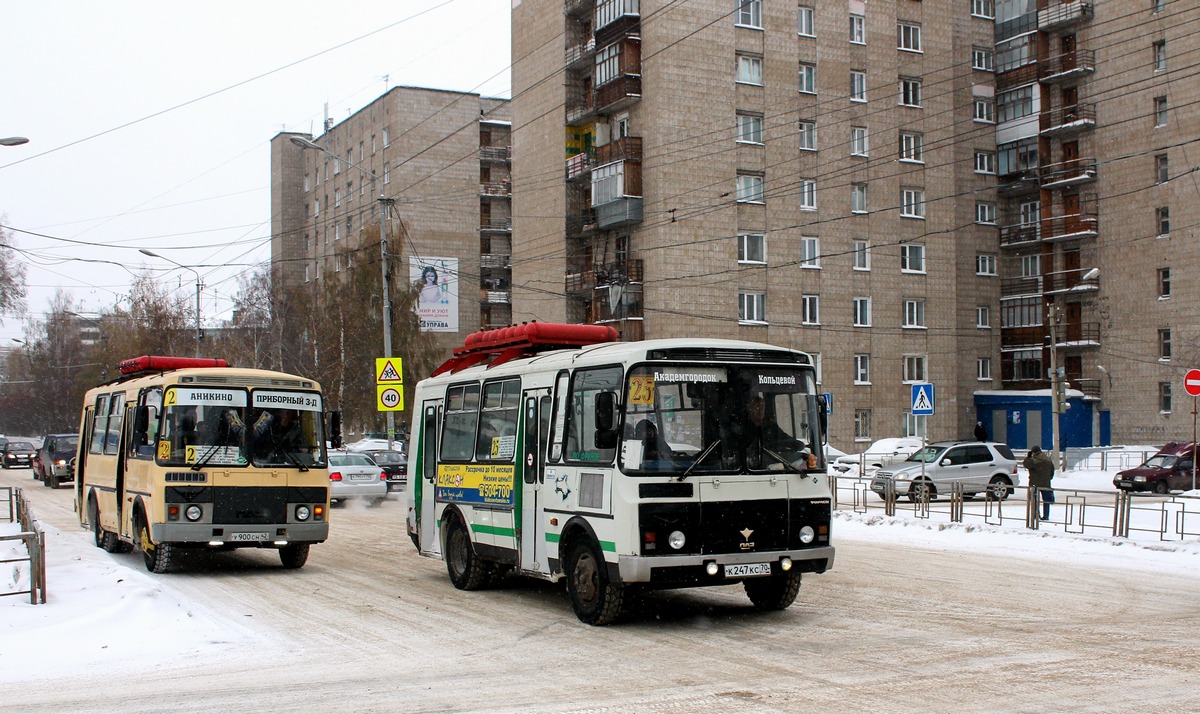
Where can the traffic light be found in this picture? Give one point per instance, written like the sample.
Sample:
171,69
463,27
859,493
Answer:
1061,396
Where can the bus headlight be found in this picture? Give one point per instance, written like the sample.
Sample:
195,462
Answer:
676,539
193,512
302,513
807,534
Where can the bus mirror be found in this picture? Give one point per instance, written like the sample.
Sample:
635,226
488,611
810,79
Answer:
606,438
823,418
606,412
335,429
141,423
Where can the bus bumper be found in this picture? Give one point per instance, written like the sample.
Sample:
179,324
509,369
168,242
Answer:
241,534
692,570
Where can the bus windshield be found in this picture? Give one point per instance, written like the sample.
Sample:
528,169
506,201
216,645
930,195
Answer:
702,418
228,427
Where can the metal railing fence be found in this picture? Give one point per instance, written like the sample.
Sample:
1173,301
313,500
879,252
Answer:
34,540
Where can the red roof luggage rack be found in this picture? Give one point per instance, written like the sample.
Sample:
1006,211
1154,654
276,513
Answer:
507,343
155,363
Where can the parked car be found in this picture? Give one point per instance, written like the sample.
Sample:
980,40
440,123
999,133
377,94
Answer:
16,454
978,466
394,464
368,444
883,452
54,463
356,476
1170,469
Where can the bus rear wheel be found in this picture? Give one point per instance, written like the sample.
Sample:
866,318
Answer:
466,570
294,555
158,556
776,592
595,599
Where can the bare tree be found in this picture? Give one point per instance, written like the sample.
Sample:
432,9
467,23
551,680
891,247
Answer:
12,276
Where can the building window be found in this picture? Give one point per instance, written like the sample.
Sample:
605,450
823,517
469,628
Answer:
862,369
749,69
1164,283
337,198
982,58
749,128
810,309
808,135
910,92
916,425
983,369
858,29
307,183
984,8
1160,55
862,424
808,195
808,78
387,137
387,174
912,258
337,231
316,206
1160,111
608,64
858,86
914,313
912,203
1162,172
1014,104
914,368
985,110
1164,345
861,255
985,162
912,147
983,317
1022,312
862,312
810,252
817,365
985,264
753,307
749,189
752,248
1017,156
985,213
1027,365
349,192
858,141
1162,219
858,198
908,36
1164,397
749,13
804,25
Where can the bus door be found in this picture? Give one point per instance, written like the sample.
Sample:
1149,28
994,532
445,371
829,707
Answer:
425,480
531,531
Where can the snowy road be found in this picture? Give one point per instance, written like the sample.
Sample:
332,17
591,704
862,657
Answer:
912,619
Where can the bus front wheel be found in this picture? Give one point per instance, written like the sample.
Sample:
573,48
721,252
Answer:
595,599
466,570
294,555
158,556
775,592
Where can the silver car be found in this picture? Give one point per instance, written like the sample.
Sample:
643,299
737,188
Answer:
356,476
979,466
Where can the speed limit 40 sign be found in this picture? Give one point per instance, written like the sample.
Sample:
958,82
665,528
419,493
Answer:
390,398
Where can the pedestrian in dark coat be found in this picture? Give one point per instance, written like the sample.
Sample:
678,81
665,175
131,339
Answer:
980,432
1041,471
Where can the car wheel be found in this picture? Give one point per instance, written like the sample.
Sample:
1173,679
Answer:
293,555
595,599
999,488
921,490
775,592
466,570
1160,487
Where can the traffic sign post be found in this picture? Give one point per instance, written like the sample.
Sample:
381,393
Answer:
389,386
1191,385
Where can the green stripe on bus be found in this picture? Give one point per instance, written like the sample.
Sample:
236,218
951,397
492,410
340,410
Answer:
494,530
606,545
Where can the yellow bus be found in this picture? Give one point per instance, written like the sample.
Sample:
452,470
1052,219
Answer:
191,453
555,452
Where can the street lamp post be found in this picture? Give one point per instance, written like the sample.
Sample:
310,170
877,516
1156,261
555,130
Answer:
199,334
384,202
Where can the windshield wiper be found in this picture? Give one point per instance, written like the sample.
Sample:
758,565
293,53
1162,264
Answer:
778,457
276,447
707,450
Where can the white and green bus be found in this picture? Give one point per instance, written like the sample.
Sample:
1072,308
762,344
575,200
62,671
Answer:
556,452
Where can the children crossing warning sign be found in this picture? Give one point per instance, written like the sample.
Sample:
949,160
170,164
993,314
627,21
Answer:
388,370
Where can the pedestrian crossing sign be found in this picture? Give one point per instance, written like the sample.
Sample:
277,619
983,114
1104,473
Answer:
922,399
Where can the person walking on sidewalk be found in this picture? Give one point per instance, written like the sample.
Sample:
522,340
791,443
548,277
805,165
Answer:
1041,471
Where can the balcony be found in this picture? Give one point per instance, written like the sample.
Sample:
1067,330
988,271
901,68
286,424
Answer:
1068,120
1070,227
579,109
1068,173
502,189
495,297
1067,67
1015,338
495,261
581,223
580,282
1072,281
627,148
1058,15
1089,387
1017,76
579,166
614,18
1025,285
496,225
1019,233
624,271
1078,334
579,8
495,153
579,56
617,194
621,93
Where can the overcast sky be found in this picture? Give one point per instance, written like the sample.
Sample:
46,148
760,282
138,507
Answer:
149,123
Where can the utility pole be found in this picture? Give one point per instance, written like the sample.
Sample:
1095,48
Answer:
384,205
1055,382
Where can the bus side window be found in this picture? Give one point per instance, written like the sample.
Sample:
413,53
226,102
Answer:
429,456
99,425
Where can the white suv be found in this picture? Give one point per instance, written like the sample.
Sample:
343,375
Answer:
979,466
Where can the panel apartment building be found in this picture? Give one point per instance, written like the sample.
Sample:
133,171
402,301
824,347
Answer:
817,175
1096,139
444,158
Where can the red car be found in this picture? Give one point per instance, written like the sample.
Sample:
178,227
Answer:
1168,470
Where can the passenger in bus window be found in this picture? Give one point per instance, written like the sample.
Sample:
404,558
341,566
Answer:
656,453
761,432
